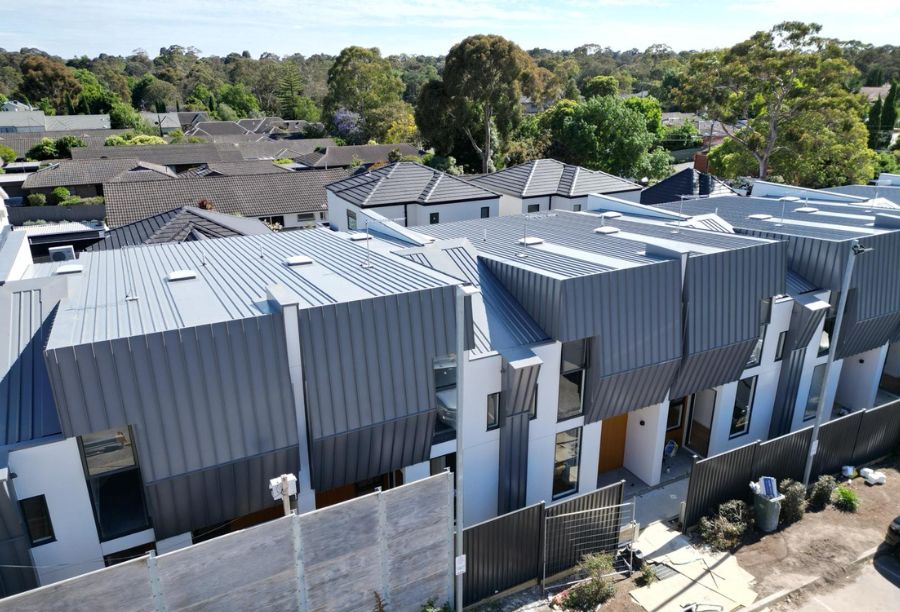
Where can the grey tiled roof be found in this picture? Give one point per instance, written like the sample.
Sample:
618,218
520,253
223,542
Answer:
543,177
179,225
273,149
167,155
21,142
261,166
217,128
406,183
92,172
688,182
366,154
247,195
76,122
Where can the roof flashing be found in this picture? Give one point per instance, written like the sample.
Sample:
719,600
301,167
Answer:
73,268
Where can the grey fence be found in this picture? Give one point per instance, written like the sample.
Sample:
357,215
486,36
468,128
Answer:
512,549
854,439
18,215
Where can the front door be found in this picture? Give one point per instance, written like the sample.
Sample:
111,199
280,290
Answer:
612,442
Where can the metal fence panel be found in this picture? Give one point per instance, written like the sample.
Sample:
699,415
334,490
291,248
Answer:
717,479
598,512
783,457
879,433
502,552
836,441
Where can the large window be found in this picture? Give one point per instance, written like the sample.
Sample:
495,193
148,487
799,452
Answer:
815,392
743,406
565,462
779,350
37,520
351,221
445,387
493,410
756,355
114,483
571,379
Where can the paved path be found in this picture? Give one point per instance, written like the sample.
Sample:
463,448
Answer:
872,590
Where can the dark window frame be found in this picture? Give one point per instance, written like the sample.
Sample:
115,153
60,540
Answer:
496,423
564,371
485,212
352,224
779,347
532,412
683,403
434,218
579,439
761,343
529,207
42,499
821,367
732,435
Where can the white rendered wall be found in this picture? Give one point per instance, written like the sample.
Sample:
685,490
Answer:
452,211
543,203
338,207
645,440
892,361
510,205
859,379
54,470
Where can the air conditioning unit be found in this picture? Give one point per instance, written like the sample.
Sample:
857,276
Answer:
61,253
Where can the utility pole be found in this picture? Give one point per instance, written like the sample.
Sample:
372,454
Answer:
853,251
285,495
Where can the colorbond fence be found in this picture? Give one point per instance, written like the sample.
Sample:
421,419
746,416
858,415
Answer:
512,549
854,439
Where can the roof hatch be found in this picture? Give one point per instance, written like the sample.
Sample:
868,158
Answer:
806,209
359,236
530,240
180,275
759,216
606,229
298,260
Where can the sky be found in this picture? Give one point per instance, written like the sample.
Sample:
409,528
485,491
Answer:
70,28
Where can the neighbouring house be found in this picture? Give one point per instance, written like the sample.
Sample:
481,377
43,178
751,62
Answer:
22,121
286,199
76,123
687,183
85,177
14,106
543,185
354,155
189,119
211,129
23,141
163,123
178,157
886,186
265,148
874,93
236,168
409,194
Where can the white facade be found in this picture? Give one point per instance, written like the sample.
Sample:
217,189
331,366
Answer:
409,215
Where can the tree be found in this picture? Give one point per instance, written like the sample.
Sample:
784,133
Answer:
44,149
400,124
95,98
873,124
289,89
305,108
225,113
889,113
44,78
240,99
601,86
7,154
756,88
650,109
483,82
153,94
65,144
348,126
123,117
362,82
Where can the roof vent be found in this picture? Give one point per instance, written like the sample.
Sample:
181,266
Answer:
180,275
530,240
606,229
611,214
359,236
298,260
806,209
69,269
759,216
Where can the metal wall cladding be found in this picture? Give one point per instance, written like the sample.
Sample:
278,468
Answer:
783,457
517,397
620,393
804,324
837,440
717,479
503,552
538,294
368,370
196,397
787,391
858,335
879,433
819,261
876,276
16,573
712,368
563,548
197,500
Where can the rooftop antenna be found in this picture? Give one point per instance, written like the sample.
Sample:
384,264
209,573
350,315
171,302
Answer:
784,202
524,251
130,287
368,262
262,253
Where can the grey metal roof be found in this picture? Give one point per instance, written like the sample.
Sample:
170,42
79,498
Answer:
27,409
233,275
248,195
179,225
346,155
406,183
544,177
870,191
94,171
797,285
167,155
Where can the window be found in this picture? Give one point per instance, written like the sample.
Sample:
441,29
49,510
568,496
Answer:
825,339
533,208
276,221
743,405
532,414
756,355
576,207
676,413
565,462
306,217
434,218
445,388
493,410
779,350
37,520
815,392
571,379
107,451
351,221
485,212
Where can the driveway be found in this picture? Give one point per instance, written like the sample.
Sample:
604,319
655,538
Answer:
876,588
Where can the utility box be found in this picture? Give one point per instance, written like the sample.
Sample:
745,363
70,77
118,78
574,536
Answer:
768,511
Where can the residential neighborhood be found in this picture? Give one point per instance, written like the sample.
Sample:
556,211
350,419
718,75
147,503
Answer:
496,328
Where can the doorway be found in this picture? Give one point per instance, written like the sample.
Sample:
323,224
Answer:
612,442
700,423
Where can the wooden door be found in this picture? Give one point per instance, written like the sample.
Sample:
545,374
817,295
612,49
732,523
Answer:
612,442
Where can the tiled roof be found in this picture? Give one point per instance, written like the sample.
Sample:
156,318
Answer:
247,195
179,225
23,119
217,128
688,182
192,117
22,141
262,166
366,154
274,149
543,177
76,122
92,172
406,183
167,155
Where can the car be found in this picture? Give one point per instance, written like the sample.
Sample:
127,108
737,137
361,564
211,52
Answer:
893,535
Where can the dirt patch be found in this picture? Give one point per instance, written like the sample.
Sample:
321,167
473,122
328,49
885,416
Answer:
823,543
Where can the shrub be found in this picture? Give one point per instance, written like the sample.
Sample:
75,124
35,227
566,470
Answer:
648,575
846,499
794,503
725,529
430,606
597,588
59,195
36,199
820,496
7,154
283,161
